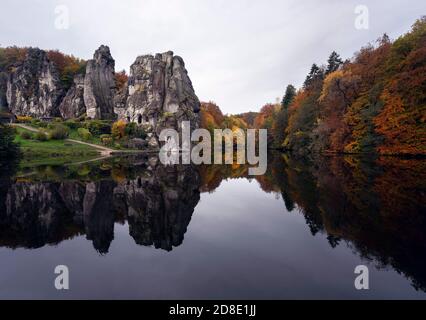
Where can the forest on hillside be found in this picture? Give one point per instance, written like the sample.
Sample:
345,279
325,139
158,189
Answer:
374,103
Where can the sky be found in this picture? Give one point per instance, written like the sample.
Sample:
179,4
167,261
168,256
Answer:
240,54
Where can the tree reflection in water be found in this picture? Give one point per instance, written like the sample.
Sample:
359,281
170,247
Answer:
376,206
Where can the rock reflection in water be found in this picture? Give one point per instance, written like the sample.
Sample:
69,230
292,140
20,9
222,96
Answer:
375,206
157,201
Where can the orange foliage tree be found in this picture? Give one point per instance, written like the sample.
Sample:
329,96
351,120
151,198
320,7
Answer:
67,65
118,129
121,79
375,103
211,116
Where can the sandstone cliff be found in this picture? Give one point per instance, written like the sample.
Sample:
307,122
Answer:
73,106
99,85
160,93
3,89
34,88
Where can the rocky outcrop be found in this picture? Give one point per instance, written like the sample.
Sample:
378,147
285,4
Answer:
34,88
120,101
72,106
99,85
3,89
160,93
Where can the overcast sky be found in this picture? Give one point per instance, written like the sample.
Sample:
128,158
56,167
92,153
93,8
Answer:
239,53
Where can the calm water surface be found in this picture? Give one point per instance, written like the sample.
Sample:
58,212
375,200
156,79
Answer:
132,228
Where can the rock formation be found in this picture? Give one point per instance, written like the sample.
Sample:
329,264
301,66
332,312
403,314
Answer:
72,106
99,85
160,94
120,101
3,89
34,88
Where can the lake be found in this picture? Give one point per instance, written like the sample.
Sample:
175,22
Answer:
131,228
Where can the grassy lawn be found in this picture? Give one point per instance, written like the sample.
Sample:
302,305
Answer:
94,126
95,139
52,150
75,136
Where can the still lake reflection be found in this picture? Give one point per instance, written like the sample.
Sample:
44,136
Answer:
132,228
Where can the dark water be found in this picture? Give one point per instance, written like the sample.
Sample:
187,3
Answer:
132,228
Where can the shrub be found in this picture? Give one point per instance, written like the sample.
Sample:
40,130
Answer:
105,136
35,122
84,134
135,131
98,127
107,141
167,115
23,119
59,132
131,128
72,124
25,135
140,133
41,136
118,130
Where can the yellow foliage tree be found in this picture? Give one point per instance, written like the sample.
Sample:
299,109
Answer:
118,130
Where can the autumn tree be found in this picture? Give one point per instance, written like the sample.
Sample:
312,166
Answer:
338,92
303,114
68,66
334,62
248,117
316,73
289,95
11,57
211,116
121,79
281,120
118,130
402,120
265,117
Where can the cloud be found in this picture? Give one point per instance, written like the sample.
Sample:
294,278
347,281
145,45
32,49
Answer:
240,54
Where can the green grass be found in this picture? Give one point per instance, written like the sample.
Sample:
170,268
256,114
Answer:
75,136
95,139
52,150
